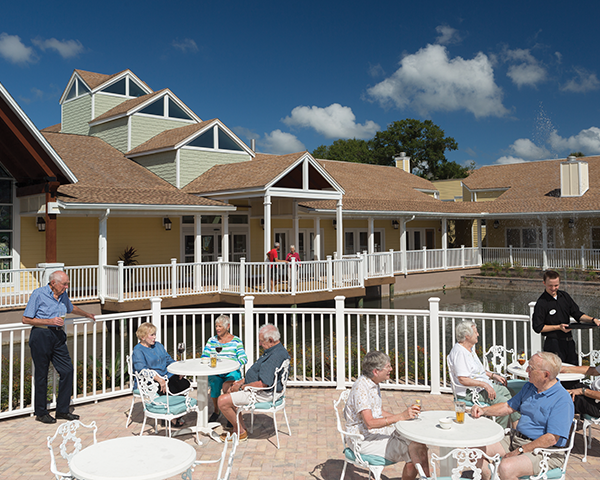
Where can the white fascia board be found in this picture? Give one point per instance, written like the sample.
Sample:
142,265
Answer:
37,135
553,214
68,87
399,213
149,152
477,190
424,190
147,209
311,195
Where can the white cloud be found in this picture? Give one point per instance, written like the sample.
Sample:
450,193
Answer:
525,148
246,132
526,70
65,48
586,141
447,35
429,81
584,81
280,143
509,159
334,121
185,45
15,51
376,71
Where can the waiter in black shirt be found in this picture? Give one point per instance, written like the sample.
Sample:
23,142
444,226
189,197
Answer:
551,318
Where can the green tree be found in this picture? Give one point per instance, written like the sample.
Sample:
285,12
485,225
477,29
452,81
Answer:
576,154
425,144
351,150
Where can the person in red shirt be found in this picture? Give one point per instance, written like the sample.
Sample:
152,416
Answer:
293,254
273,256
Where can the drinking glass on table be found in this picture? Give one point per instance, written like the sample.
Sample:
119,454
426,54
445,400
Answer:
218,349
181,350
460,408
521,359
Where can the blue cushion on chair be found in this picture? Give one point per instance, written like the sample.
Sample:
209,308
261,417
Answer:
136,391
553,474
267,405
515,385
589,417
374,460
176,405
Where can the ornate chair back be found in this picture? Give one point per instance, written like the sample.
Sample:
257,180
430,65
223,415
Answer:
496,358
466,459
68,433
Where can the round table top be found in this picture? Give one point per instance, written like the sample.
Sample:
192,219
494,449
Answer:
135,458
196,367
521,371
473,433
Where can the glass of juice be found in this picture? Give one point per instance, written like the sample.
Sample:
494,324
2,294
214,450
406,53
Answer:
460,408
521,358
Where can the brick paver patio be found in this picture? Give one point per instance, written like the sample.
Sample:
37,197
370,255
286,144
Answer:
312,452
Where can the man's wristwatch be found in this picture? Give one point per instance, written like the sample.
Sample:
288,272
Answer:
583,390
521,450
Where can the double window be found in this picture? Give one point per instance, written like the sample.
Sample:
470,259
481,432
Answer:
527,237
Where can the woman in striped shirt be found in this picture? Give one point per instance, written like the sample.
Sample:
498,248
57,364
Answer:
233,349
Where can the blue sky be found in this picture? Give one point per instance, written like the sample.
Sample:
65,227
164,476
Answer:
510,81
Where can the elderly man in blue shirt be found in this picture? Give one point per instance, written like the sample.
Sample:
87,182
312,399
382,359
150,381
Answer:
546,416
46,311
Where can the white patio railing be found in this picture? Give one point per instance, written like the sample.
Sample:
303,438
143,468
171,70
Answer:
121,283
326,345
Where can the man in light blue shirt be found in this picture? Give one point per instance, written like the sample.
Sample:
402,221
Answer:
546,416
46,311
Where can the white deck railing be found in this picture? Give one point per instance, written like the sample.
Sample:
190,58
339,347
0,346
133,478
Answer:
121,283
326,345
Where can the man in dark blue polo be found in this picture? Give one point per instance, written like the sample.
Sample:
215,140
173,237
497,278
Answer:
46,311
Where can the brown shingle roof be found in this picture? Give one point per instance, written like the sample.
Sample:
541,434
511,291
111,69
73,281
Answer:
52,128
251,174
170,138
127,105
94,80
533,187
106,176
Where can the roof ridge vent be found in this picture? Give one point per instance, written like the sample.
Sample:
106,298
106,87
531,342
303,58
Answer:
574,177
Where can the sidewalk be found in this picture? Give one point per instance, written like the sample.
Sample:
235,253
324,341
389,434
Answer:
312,452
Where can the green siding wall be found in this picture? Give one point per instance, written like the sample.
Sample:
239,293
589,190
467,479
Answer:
144,128
113,133
76,114
161,164
194,163
103,103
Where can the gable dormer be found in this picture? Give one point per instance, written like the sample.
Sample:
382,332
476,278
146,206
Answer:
90,94
137,120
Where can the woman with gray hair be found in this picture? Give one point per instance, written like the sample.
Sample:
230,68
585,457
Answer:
364,414
468,371
225,345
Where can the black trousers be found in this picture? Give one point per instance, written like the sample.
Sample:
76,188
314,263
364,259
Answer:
51,346
565,349
177,384
585,404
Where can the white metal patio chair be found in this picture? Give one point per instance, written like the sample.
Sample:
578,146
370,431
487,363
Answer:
68,432
163,407
352,444
466,459
232,439
134,390
275,405
496,359
555,473
475,391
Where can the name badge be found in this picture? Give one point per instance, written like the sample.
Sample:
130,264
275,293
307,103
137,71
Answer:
552,312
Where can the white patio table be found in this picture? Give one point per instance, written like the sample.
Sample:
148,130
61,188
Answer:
134,458
197,368
472,433
521,371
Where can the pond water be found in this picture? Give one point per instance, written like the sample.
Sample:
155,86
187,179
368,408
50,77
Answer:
478,300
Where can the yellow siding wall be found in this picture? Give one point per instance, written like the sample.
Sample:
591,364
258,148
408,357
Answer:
147,235
257,242
77,240
33,243
449,189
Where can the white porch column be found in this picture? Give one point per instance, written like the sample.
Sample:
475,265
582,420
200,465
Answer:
267,222
404,267
479,246
197,238
544,244
297,227
102,253
225,237
317,245
340,229
197,251
444,221
371,236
